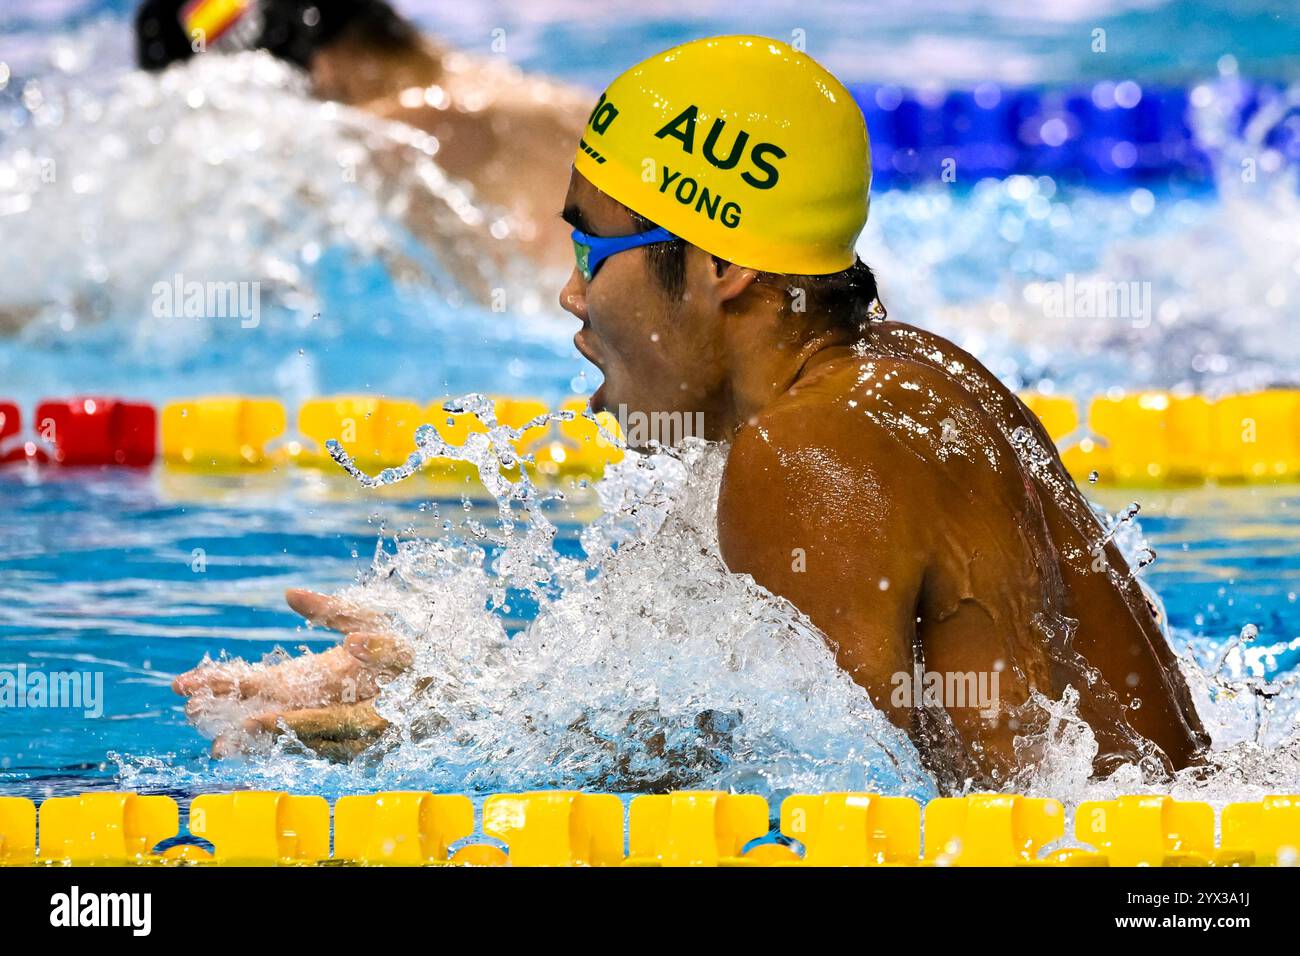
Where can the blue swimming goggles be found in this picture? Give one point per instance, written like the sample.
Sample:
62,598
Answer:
591,251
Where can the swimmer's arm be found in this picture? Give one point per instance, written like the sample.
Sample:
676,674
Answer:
821,529
866,513
978,609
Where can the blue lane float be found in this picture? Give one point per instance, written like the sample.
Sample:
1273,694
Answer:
1115,134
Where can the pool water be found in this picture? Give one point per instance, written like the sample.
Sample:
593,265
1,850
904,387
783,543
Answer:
138,575
99,574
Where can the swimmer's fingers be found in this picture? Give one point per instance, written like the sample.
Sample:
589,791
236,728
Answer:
384,655
242,680
220,680
336,722
238,681
306,681
340,751
331,612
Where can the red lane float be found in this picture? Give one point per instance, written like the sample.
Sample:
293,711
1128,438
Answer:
11,424
98,431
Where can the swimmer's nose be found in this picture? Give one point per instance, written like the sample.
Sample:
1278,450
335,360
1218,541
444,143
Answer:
573,297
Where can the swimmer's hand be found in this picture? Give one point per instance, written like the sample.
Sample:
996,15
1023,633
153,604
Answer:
326,699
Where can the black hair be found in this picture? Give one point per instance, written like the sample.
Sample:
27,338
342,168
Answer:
850,298
292,29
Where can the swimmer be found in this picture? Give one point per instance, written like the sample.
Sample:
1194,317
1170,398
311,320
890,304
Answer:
507,134
879,477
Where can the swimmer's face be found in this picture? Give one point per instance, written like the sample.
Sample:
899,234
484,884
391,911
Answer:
657,353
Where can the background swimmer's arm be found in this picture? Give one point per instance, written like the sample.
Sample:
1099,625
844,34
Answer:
515,148
817,528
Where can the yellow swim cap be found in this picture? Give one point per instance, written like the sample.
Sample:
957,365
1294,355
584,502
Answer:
742,146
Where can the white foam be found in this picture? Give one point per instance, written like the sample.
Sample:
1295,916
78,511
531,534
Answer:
649,665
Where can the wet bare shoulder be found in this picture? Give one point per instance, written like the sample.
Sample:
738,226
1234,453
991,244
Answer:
808,446
917,415
829,444
1004,408
810,472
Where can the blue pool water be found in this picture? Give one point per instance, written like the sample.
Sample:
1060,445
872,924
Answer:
98,574
98,569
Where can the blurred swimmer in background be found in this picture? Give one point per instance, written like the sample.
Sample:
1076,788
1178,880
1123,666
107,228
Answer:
507,134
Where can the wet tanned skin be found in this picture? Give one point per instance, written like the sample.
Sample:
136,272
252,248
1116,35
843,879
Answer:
954,558
1117,631
873,483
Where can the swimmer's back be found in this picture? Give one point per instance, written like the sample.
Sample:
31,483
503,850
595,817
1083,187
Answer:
912,433
1118,632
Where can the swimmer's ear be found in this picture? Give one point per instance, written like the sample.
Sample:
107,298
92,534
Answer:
729,279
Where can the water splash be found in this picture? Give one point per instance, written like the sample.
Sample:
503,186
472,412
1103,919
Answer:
648,665
225,170
239,193
1211,276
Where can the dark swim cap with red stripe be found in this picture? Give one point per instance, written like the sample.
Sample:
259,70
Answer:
290,29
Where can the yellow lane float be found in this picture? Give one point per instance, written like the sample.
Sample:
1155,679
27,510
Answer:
1138,438
683,828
